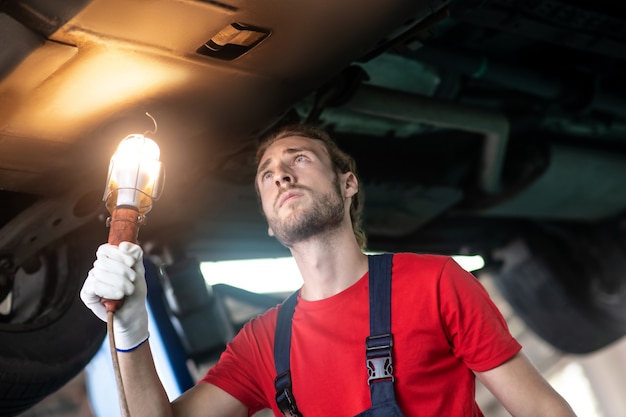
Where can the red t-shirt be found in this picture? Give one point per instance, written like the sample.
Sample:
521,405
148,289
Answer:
443,323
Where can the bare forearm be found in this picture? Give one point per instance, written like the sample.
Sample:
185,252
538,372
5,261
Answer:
145,394
555,406
523,391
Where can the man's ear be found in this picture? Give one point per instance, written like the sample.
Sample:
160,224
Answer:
270,232
350,184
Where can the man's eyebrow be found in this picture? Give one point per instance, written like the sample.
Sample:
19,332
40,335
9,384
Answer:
299,149
263,166
288,151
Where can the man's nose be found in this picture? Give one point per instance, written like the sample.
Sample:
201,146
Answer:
283,177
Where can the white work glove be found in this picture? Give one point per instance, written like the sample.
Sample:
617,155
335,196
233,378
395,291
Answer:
117,273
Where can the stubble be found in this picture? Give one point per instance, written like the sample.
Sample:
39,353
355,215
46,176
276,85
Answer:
323,216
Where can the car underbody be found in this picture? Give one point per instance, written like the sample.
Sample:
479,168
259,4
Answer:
490,127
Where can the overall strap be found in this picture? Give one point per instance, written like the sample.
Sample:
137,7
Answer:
380,342
282,349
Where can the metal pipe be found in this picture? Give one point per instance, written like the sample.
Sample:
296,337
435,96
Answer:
475,65
406,107
544,85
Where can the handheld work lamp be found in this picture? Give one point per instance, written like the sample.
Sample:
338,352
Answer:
135,179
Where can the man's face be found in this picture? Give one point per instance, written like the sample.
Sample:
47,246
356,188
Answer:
301,195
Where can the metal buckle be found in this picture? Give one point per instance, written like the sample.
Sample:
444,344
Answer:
378,358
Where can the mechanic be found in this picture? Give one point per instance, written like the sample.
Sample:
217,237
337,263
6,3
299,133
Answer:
445,330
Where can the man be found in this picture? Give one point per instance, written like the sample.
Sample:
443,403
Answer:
446,331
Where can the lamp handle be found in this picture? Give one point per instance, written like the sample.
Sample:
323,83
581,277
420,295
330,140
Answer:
123,227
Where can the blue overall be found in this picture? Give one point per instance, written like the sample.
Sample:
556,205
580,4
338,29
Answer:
378,346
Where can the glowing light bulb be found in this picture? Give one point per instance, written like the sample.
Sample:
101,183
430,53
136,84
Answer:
135,175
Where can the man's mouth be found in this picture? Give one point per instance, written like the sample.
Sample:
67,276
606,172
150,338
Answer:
285,196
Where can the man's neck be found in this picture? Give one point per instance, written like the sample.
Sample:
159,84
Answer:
329,265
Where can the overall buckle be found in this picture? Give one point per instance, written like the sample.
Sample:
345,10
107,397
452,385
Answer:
378,358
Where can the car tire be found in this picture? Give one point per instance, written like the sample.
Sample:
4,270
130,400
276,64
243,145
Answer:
568,285
43,350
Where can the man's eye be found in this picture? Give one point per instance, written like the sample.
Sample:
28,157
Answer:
300,158
266,176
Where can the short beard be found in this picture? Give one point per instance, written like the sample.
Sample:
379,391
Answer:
325,215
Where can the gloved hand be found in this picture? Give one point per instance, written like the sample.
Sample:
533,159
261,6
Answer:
117,273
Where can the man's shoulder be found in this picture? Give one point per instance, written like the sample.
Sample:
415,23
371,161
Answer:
420,259
264,323
428,267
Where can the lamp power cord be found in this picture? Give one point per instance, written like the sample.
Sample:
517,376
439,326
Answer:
116,365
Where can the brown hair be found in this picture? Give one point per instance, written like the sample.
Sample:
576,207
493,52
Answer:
341,162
